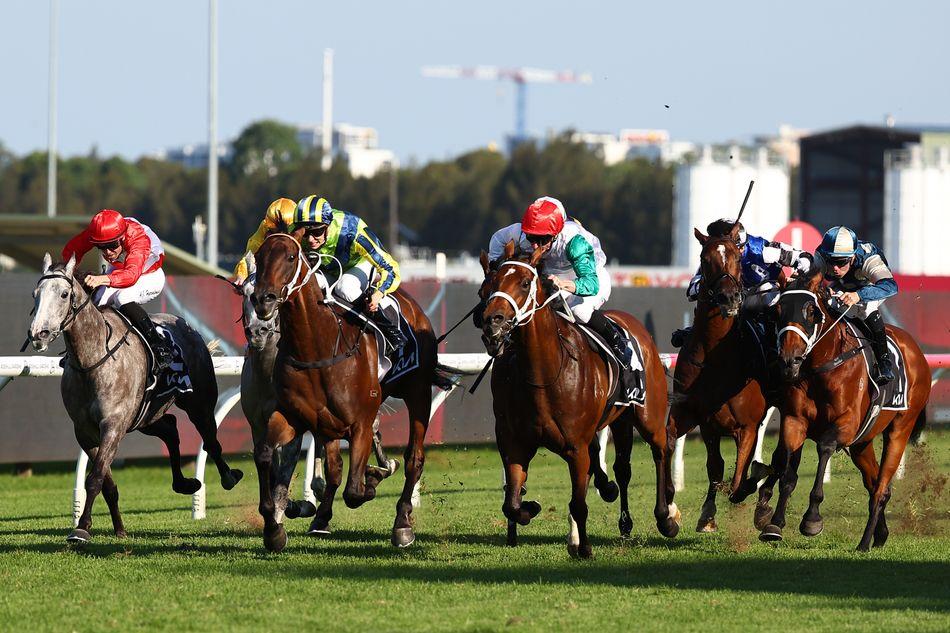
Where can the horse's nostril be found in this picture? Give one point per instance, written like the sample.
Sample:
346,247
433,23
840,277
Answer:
44,334
270,298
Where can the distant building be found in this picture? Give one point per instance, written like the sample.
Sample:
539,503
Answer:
785,143
711,185
193,156
917,207
359,146
634,143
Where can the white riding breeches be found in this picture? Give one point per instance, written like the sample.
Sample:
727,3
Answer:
583,307
149,286
354,282
761,297
864,309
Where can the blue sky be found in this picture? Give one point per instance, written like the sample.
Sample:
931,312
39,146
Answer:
133,75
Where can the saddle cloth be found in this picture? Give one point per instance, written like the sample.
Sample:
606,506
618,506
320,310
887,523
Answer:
890,397
621,396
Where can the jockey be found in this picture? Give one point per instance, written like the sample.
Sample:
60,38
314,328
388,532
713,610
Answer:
279,215
859,273
363,263
134,279
575,260
761,262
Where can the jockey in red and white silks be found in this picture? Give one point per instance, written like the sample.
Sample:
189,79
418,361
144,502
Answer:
135,256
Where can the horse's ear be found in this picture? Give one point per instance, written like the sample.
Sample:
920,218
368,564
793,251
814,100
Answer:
47,263
250,262
536,257
509,250
70,265
699,236
734,232
782,280
299,233
483,260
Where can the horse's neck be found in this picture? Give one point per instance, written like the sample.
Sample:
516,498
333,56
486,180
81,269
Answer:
263,360
303,317
710,327
539,351
86,336
831,344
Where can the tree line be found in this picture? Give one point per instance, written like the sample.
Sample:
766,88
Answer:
451,205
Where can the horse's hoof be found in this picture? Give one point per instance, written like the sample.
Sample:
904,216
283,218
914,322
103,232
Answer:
668,527
292,511
392,466
78,537
862,547
880,538
319,528
625,524
771,533
707,525
306,509
763,516
533,508
811,528
121,534
511,539
759,471
610,492
580,551
318,487
403,537
277,541
186,486
231,479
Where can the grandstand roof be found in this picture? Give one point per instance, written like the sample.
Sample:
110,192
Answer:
26,238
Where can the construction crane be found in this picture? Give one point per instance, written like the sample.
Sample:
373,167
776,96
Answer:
520,76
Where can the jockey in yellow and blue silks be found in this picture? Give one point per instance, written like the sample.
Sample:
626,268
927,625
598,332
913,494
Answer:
859,273
279,216
363,262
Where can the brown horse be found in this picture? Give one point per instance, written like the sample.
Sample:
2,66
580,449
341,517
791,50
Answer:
826,400
326,380
716,383
551,389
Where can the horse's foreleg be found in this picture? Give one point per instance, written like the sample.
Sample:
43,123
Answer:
109,437
715,468
793,437
812,523
763,511
622,431
360,486
166,429
665,512
578,543
419,407
320,526
275,537
110,492
607,489
289,454
742,486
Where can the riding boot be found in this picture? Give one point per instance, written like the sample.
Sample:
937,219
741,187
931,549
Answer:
611,333
773,370
885,366
140,319
678,338
388,321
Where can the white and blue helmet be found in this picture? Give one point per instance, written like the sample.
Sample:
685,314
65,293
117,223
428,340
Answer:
838,242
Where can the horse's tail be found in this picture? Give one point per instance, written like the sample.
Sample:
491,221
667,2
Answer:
918,427
445,377
214,347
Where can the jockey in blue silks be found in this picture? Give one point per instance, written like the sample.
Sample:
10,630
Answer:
859,273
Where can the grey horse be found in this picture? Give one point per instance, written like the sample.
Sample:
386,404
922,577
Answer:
104,380
258,401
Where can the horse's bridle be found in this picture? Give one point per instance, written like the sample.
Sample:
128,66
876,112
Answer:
74,309
811,340
714,286
523,313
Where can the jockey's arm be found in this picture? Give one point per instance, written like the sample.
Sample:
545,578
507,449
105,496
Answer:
134,264
78,246
367,248
786,255
581,255
692,290
883,284
501,237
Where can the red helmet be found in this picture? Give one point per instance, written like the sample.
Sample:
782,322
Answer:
545,216
106,226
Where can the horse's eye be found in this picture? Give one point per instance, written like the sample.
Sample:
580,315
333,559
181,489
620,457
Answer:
525,283
292,258
64,295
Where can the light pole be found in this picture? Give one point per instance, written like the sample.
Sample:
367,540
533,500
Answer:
393,204
51,130
213,133
326,140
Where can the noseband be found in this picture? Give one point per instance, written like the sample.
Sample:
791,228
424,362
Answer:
811,340
523,313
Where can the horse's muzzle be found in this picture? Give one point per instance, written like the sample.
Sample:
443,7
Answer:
495,334
265,305
791,368
41,340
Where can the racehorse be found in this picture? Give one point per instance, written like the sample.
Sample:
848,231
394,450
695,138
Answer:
104,381
717,384
551,389
827,397
258,399
326,381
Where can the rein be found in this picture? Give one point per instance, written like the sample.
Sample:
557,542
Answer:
810,344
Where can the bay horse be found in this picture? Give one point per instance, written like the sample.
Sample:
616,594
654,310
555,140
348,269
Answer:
326,381
717,384
104,381
826,399
551,389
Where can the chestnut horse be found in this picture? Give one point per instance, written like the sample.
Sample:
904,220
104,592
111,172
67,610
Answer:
551,389
717,384
826,400
326,381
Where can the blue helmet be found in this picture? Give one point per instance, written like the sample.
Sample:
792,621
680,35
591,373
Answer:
838,242
312,210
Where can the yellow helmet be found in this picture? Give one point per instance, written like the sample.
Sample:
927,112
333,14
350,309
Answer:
281,211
